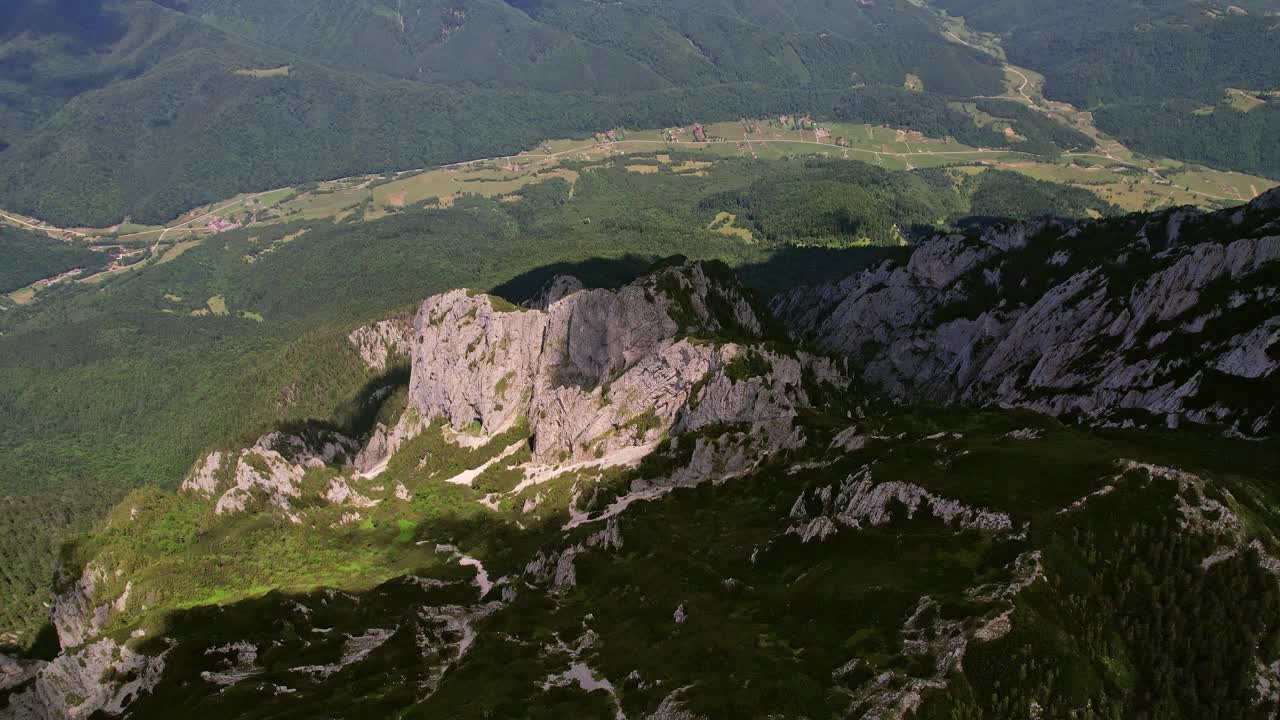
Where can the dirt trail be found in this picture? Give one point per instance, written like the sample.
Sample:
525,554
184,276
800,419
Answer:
1022,89
42,228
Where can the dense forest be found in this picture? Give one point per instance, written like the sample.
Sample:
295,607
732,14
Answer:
141,110
1152,72
409,130
29,257
1044,136
1222,137
1137,625
559,45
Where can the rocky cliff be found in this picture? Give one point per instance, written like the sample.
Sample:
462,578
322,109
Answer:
579,377
580,381
592,372
648,503
1154,319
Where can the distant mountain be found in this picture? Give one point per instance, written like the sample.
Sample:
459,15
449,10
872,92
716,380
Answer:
130,107
1156,74
560,45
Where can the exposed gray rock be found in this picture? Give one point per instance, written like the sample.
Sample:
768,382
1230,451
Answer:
355,649
850,439
386,441
557,569
237,664
272,468
584,677
755,416
72,686
594,371
444,636
1201,513
1130,325
893,694
203,478
559,288
859,502
16,672
380,343
673,709
1025,434
340,492
73,614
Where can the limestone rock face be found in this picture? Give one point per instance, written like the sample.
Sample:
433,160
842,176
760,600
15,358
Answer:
71,686
675,363
272,468
385,441
859,501
382,341
73,614
560,287
594,372
597,376
1175,315
15,672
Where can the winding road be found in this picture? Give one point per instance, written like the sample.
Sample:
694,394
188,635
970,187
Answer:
43,228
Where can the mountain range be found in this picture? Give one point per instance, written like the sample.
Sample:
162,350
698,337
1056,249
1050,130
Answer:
647,360
669,500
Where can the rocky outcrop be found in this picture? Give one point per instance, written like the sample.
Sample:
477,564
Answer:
859,501
597,377
1175,315
380,343
556,569
385,441
15,672
272,470
237,663
560,287
74,615
672,708
671,377
75,686
594,372
930,635
741,413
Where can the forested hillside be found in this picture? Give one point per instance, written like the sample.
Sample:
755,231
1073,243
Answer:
662,501
556,45
1157,74
28,257
232,333
130,108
